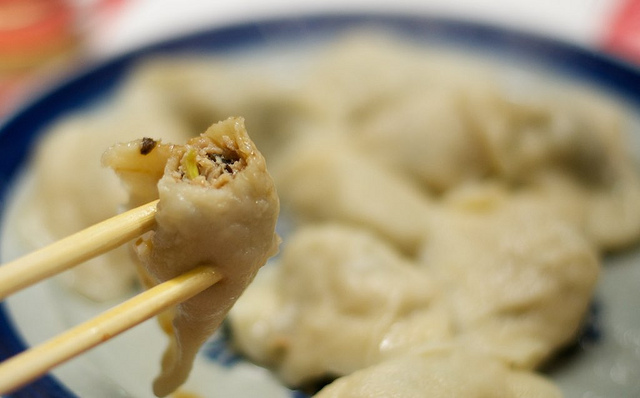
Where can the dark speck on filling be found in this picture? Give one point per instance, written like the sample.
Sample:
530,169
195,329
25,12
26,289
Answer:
222,160
147,145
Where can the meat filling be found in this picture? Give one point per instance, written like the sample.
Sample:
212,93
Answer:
206,163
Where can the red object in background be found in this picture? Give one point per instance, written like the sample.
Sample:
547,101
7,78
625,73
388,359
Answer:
109,6
34,31
34,34
623,35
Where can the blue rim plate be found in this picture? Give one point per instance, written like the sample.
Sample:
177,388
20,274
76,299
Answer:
20,131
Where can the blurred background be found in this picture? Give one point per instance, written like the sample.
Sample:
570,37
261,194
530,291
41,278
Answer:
41,41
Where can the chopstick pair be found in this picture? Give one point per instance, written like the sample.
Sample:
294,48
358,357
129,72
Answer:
19,370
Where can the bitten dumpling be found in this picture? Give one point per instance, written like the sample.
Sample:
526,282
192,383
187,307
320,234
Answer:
218,206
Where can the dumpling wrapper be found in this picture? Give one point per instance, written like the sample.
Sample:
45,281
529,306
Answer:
218,206
572,152
441,371
519,280
339,300
326,179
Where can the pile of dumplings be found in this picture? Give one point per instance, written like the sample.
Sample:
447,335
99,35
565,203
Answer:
442,232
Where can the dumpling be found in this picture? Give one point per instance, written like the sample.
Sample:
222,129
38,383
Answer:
340,300
519,280
367,70
572,152
423,135
218,206
441,372
326,179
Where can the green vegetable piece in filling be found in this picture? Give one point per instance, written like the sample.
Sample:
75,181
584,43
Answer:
190,164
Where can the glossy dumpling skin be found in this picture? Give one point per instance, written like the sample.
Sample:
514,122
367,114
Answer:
445,371
325,179
498,273
218,206
340,299
519,279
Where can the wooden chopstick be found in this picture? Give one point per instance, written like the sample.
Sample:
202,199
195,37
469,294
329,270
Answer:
64,254
75,249
27,366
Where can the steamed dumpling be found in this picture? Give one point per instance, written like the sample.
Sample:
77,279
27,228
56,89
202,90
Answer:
218,207
518,279
340,300
441,372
